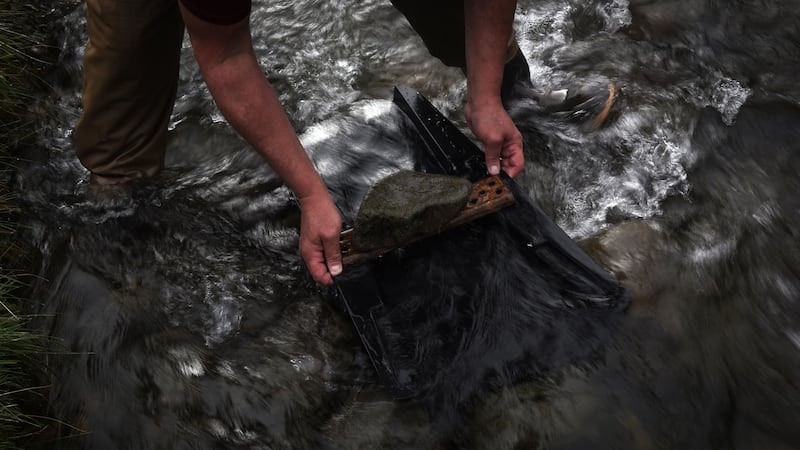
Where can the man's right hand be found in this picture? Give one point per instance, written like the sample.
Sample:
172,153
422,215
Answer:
246,99
320,225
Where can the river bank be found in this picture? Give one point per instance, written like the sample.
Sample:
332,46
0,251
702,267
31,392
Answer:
22,60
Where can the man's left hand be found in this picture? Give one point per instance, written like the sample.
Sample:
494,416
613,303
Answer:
502,141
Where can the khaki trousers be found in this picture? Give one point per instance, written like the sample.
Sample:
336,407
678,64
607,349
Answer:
130,76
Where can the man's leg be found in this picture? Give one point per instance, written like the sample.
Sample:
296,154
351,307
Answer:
440,24
130,79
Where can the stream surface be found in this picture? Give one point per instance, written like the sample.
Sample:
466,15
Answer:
186,320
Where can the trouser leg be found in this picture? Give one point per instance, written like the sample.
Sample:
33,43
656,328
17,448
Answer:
440,24
130,80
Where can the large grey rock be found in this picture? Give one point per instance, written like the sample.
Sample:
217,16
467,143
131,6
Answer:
407,204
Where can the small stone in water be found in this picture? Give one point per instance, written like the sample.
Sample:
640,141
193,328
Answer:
405,205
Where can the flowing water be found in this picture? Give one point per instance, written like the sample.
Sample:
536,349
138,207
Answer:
186,318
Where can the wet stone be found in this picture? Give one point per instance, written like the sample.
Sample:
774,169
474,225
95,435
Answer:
406,205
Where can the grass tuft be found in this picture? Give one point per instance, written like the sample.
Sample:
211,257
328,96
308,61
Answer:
21,351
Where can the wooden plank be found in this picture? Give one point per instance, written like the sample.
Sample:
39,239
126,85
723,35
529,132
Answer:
488,195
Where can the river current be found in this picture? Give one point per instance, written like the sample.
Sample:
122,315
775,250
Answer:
185,319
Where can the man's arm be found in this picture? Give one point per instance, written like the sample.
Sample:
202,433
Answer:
244,96
488,31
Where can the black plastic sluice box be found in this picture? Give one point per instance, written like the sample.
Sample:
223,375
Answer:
487,304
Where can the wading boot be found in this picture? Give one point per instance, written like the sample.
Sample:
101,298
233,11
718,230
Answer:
590,103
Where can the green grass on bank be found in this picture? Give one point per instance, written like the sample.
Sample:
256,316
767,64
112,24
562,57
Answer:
16,67
20,350
17,348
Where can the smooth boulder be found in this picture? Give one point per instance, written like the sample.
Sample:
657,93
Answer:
407,205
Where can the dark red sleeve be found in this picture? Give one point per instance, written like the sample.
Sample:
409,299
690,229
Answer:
219,12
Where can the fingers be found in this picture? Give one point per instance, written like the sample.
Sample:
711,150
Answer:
504,152
320,225
512,169
333,256
315,262
513,161
502,141
322,268
492,150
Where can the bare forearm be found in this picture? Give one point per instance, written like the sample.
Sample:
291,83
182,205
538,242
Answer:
488,31
248,102
246,99
244,96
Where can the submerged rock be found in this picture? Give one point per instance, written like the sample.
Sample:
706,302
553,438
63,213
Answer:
628,251
407,204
